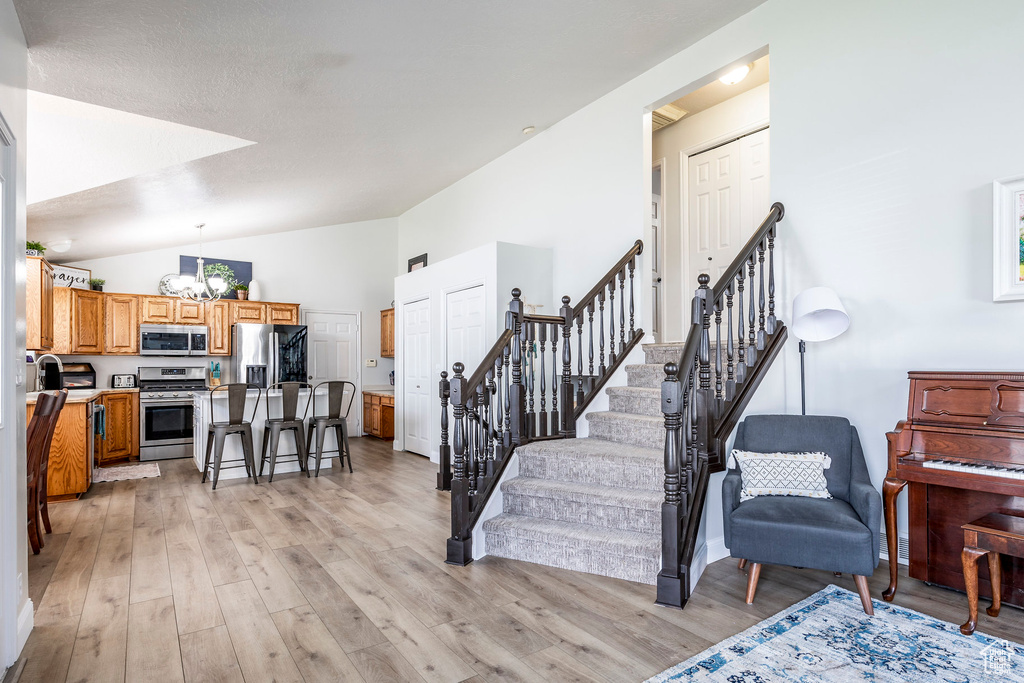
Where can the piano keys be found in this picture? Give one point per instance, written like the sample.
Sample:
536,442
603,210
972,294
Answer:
960,454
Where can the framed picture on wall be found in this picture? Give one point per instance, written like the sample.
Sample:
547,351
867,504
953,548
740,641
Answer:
76,278
1008,239
418,262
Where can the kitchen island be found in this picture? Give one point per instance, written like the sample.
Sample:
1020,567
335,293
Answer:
233,444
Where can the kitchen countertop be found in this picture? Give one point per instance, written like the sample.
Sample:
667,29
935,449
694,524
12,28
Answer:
82,395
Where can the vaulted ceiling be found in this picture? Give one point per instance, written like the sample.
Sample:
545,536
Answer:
357,109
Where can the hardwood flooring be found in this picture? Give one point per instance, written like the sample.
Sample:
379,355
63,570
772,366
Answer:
342,578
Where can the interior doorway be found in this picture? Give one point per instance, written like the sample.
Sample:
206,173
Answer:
334,355
711,149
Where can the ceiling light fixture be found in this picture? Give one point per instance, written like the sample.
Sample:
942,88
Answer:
61,246
197,287
528,130
736,75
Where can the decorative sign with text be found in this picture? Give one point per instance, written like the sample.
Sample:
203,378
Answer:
66,276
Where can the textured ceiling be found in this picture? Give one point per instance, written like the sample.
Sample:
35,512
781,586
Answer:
359,109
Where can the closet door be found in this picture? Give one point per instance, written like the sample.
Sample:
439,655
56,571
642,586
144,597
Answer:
418,381
464,328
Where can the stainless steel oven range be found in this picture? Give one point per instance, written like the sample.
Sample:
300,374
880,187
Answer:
165,403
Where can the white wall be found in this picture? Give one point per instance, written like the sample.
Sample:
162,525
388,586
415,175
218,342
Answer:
889,122
345,268
673,144
15,608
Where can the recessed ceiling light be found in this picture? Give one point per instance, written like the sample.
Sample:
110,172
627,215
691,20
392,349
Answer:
736,75
528,130
61,246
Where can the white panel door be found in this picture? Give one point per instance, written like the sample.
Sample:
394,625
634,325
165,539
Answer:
656,264
755,181
714,211
464,328
334,354
417,379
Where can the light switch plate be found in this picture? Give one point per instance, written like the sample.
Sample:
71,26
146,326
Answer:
371,362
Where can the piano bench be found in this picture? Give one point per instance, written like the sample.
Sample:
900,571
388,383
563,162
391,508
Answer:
993,535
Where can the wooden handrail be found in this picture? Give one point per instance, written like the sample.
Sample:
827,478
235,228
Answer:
487,363
767,225
588,298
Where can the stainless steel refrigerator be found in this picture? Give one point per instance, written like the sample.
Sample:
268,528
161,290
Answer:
267,354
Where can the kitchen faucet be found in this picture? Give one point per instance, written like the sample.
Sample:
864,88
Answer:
41,373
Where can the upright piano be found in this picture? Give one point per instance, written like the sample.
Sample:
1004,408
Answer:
961,450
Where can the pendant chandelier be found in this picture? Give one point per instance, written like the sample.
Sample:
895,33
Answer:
199,288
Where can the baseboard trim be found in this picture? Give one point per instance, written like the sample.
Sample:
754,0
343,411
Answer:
26,620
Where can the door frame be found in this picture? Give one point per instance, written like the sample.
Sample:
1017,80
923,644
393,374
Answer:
659,255
688,285
399,442
358,398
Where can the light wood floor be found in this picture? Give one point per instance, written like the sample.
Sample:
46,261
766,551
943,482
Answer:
342,578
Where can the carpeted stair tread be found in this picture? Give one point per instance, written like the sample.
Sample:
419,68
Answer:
599,505
610,552
628,428
594,461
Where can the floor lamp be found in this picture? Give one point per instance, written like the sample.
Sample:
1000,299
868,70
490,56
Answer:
818,315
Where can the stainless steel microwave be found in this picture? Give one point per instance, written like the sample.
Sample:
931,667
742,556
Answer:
173,340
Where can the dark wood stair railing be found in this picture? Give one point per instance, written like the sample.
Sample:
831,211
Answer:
525,390
705,393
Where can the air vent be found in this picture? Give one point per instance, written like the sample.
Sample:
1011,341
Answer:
663,116
903,550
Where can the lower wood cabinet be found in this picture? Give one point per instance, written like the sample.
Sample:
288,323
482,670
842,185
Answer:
72,451
122,428
379,415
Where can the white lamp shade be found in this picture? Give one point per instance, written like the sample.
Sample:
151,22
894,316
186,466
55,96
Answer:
818,315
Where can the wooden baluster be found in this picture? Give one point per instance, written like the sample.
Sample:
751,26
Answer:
611,322
481,435
670,588
771,281
579,355
517,396
600,299
741,361
444,471
752,318
496,400
556,426
718,350
489,413
590,315
531,384
622,311
691,455
730,379
760,320
510,324
632,329
705,397
459,545
567,425
542,416
472,441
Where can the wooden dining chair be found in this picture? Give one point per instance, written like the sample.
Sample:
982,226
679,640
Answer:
35,440
44,461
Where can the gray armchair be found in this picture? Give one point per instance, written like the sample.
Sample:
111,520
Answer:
840,534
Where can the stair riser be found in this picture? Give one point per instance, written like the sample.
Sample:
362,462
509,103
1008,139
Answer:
659,355
576,557
650,376
622,431
584,511
566,467
634,404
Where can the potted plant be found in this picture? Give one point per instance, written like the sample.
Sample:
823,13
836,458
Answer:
241,291
34,248
97,284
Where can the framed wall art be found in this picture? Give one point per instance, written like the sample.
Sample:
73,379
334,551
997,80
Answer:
66,276
417,262
1008,239
233,272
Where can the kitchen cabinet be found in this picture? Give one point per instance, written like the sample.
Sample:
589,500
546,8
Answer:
122,427
189,312
218,320
38,304
283,314
158,309
72,451
122,324
379,414
387,333
78,321
248,312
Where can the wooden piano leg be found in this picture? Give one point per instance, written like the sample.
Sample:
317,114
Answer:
996,577
969,557
891,488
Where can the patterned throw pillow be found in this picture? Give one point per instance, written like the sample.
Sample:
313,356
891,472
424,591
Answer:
782,474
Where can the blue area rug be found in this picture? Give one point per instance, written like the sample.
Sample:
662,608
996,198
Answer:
827,637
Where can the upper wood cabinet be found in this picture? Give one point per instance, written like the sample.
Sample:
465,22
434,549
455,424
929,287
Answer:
189,312
38,304
218,320
248,312
283,314
77,321
122,427
158,309
387,333
122,324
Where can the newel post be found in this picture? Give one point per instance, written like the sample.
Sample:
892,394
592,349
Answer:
565,392
460,545
671,589
517,396
444,472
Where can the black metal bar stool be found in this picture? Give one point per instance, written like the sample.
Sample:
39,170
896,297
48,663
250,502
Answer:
335,393
289,421
217,432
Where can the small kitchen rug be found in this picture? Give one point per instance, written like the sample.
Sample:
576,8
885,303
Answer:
827,637
149,469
